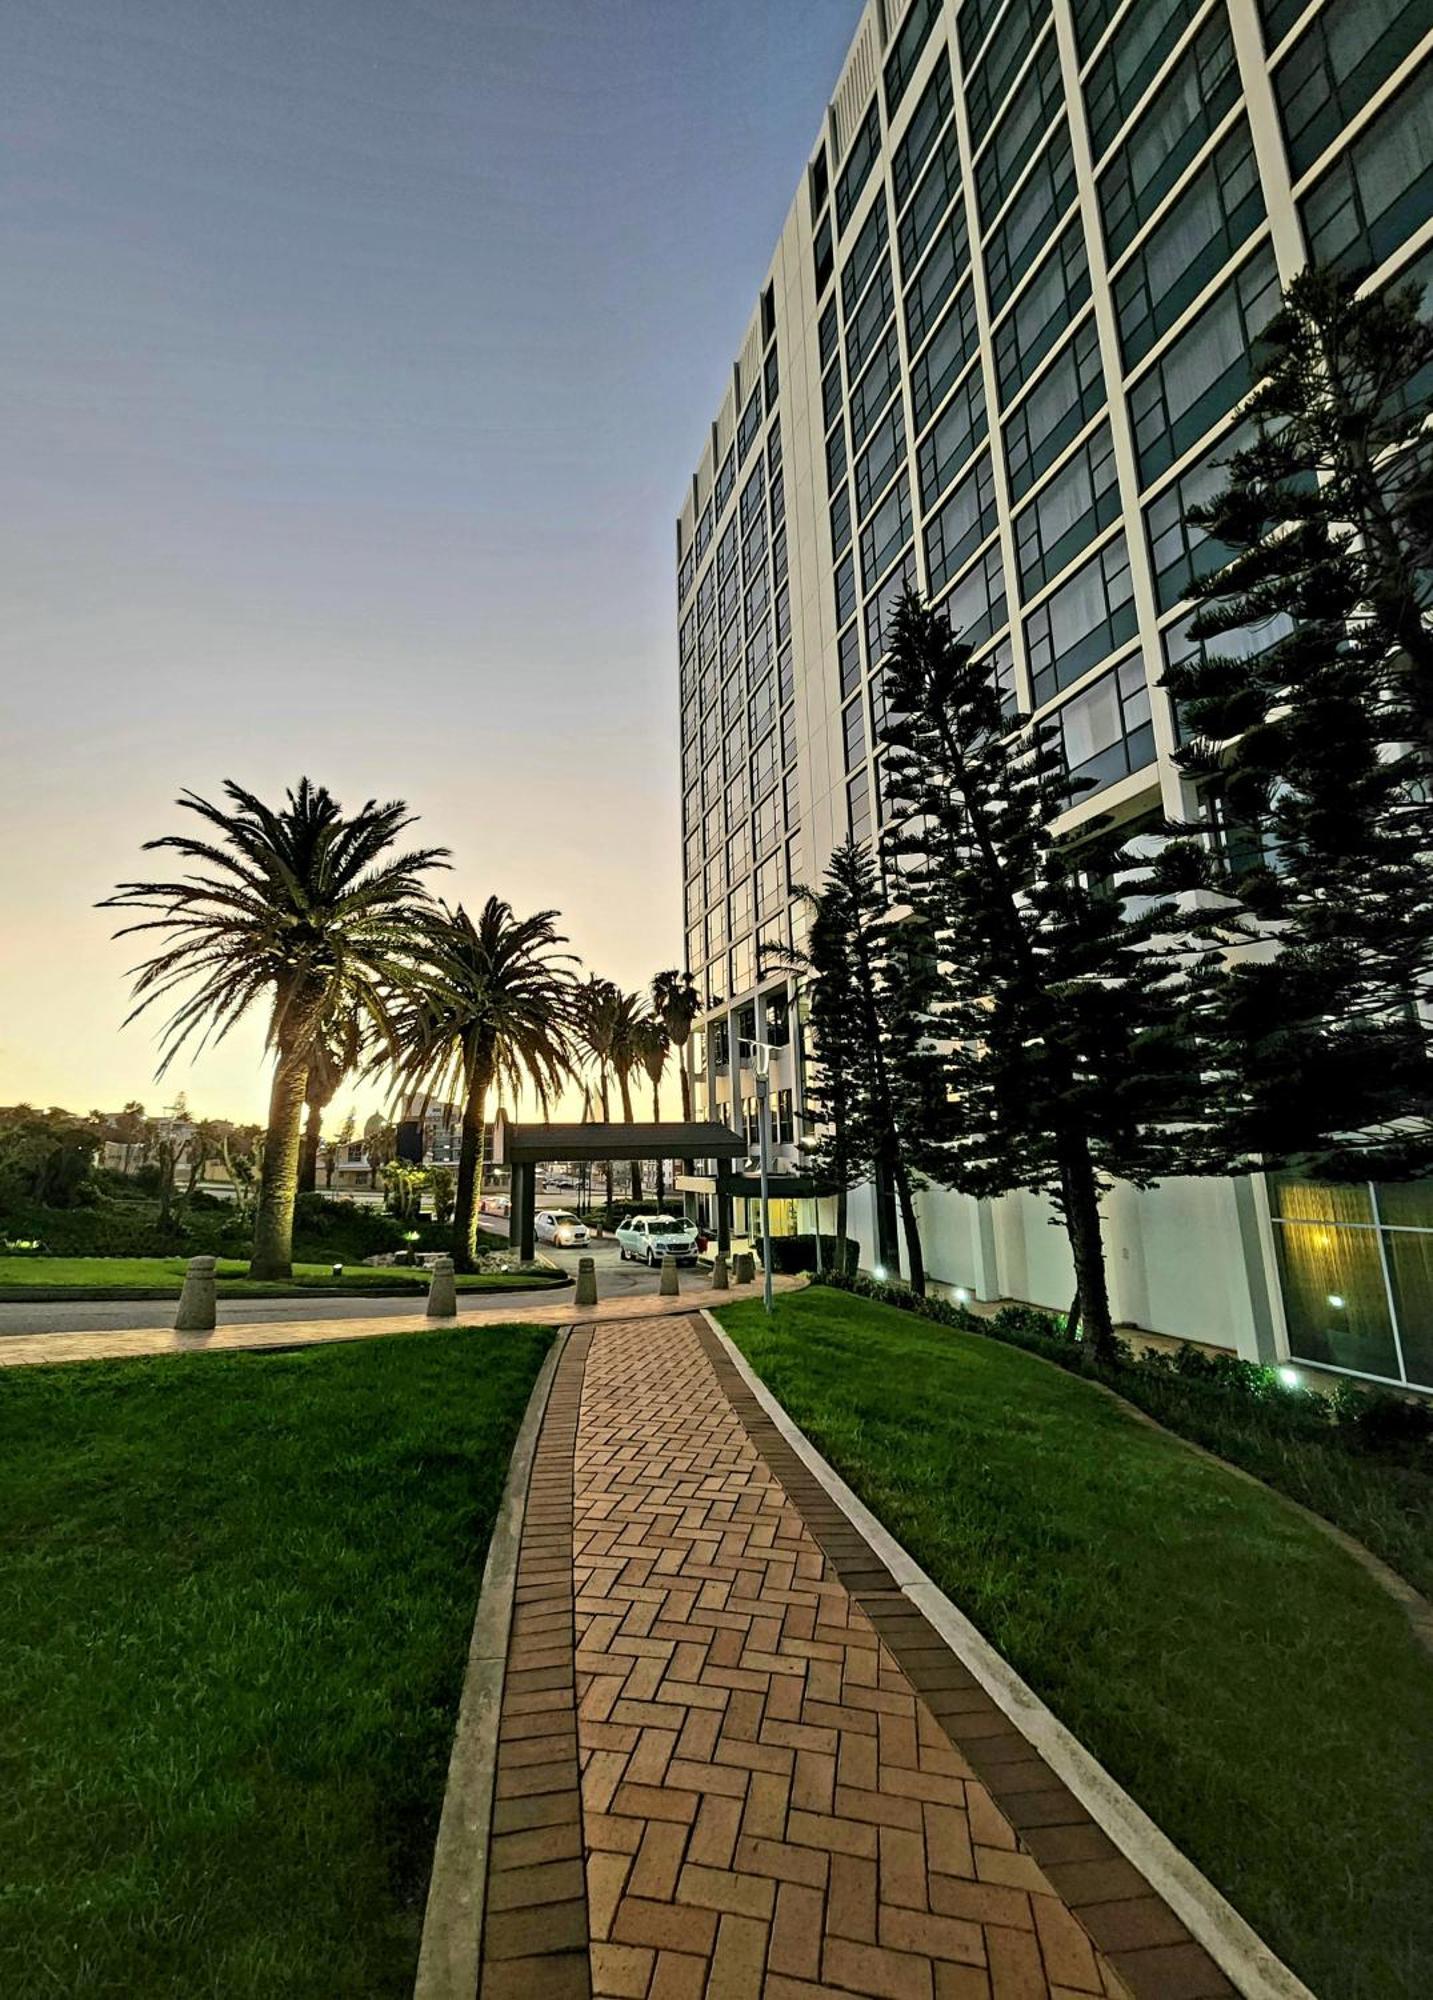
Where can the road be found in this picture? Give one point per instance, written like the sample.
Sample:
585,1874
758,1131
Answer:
614,1280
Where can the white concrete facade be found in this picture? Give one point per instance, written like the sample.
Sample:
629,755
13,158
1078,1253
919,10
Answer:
1053,228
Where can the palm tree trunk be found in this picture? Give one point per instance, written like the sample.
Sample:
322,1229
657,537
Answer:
308,1156
656,1120
606,1120
274,1218
470,1155
624,1084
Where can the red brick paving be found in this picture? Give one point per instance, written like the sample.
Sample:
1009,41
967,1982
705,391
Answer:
768,1805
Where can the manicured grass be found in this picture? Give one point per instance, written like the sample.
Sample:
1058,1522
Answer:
236,1594
163,1277
1242,1677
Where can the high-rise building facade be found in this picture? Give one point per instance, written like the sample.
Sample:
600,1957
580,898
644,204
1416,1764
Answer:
996,357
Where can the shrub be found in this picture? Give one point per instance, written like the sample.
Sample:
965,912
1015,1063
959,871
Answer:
798,1253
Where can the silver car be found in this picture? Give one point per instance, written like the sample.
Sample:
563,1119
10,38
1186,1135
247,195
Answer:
560,1226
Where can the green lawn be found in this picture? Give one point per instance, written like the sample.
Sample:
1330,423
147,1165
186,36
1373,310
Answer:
1240,1675
163,1277
236,1594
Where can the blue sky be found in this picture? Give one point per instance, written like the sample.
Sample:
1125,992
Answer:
352,360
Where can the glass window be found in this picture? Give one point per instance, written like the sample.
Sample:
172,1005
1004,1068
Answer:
818,181
752,494
685,574
1055,411
961,525
1179,552
869,322
704,531
1106,731
1090,615
1092,17
881,458
864,251
1205,371
758,596
987,81
727,548
845,588
1382,188
932,198
872,393
753,549
750,423
835,457
828,333
931,112
706,594
948,261
886,533
831,395
1069,511
725,482
771,376
1014,244
1191,101
853,733
1213,216
1346,54
1030,114
823,255
976,606
859,162
841,521
880,608
1128,62
950,348
1043,310
958,429
848,659
911,38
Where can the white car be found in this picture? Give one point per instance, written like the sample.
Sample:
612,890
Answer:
650,1238
560,1226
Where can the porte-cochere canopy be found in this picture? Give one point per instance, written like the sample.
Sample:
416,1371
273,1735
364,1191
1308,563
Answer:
524,1148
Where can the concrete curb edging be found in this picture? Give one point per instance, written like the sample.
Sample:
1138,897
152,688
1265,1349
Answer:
1237,1949
450,1954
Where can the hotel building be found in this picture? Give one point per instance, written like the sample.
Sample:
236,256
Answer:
996,356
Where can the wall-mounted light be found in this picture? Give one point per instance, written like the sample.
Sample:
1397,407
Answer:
1336,1301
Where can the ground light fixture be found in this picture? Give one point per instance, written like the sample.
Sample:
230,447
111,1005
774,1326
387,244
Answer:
878,1272
962,1296
1291,1378
1336,1301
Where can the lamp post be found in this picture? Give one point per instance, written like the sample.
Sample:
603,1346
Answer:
761,1069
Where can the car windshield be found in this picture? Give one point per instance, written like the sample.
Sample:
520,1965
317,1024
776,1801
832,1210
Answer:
565,1215
670,1222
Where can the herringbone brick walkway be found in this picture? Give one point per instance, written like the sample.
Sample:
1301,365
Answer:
768,1807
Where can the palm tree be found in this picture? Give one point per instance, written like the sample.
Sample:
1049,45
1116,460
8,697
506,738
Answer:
652,1051
595,1011
335,1056
497,1009
304,910
677,1002
626,1054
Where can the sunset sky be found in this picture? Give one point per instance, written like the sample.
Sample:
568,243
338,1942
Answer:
353,358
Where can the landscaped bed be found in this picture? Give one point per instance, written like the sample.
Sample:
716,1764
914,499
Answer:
1259,1694
26,1279
238,1592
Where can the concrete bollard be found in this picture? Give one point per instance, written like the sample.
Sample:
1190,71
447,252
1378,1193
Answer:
745,1267
669,1283
720,1281
442,1290
196,1301
586,1293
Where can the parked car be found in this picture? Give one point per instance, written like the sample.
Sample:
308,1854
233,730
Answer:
647,1239
560,1226
496,1204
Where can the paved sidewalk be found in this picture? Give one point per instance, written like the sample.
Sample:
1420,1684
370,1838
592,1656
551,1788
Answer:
733,1761
535,1308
